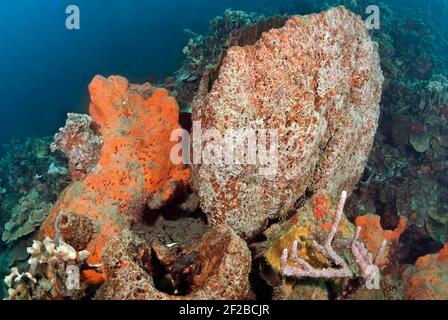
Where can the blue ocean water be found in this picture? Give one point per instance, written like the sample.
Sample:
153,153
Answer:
45,68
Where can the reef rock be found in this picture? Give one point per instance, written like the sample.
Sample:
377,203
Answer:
317,83
133,167
217,267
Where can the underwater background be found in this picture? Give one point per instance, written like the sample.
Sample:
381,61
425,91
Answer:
46,69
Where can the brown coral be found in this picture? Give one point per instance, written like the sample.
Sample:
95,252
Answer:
317,82
219,265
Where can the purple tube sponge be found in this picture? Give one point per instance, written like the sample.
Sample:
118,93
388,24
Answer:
300,268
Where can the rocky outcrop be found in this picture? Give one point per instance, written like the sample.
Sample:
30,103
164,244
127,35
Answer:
217,267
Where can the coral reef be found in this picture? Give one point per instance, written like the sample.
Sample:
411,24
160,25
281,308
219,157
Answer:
28,188
324,109
132,228
26,217
53,271
132,171
369,271
49,267
405,179
342,260
25,169
406,171
199,53
306,270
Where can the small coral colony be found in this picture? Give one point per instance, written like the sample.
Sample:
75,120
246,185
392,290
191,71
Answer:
290,157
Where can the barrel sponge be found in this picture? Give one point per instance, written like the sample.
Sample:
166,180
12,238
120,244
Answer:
317,83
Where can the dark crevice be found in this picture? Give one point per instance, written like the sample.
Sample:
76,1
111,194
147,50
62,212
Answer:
172,211
185,121
263,279
176,278
386,204
415,243
161,277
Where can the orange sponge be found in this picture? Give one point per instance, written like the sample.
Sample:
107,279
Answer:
134,166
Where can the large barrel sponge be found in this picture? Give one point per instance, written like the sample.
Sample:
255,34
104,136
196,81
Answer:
317,81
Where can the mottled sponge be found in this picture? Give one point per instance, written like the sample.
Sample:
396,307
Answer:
428,278
78,141
317,81
133,168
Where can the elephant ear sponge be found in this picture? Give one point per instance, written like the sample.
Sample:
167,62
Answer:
133,169
317,83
